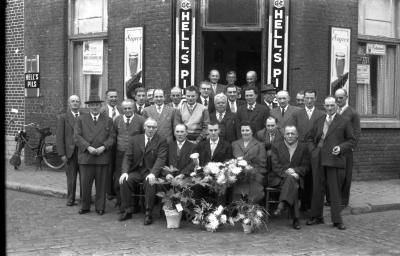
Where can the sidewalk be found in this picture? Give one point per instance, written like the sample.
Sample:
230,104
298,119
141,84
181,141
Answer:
366,196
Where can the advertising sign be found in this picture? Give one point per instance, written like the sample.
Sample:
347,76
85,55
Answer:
133,57
339,58
376,49
32,80
92,57
185,43
363,70
278,43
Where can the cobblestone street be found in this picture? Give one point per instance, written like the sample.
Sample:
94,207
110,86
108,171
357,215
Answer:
38,225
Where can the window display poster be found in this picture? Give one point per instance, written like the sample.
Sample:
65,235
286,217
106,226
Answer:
339,58
133,57
92,57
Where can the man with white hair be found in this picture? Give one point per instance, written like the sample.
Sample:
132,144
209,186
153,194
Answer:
144,157
215,86
176,98
284,113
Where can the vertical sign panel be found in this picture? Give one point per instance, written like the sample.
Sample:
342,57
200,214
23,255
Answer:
340,58
133,58
185,43
278,43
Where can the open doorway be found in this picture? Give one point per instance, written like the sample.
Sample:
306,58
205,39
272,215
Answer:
238,51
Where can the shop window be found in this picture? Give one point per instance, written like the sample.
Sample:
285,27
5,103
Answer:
89,16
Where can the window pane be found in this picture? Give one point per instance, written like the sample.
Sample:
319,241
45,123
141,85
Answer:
232,12
90,16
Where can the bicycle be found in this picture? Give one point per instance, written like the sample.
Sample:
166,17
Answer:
44,152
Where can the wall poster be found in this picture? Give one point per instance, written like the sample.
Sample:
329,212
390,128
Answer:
339,59
133,59
92,63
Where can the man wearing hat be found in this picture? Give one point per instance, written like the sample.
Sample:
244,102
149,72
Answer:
268,92
94,135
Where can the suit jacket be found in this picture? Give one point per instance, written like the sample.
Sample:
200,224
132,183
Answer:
280,159
135,127
166,121
96,135
136,110
65,134
222,152
351,114
274,105
145,160
256,117
239,103
229,126
254,153
257,85
263,136
182,161
340,133
105,109
303,124
286,118
220,89
211,105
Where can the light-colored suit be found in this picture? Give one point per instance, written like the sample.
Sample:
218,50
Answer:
166,121
286,118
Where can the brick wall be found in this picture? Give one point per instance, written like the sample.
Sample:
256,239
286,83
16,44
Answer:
156,17
46,36
14,64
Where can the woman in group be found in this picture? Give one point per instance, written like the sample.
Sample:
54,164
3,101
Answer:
253,151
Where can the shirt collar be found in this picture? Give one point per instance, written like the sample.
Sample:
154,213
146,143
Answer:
214,142
146,138
285,108
333,116
73,113
157,106
93,116
138,106
291,147
126,118
344,107
180,143
310,110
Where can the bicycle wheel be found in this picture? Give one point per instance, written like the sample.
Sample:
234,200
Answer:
51,157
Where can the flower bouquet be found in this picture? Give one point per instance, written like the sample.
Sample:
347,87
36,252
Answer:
251,216
208,216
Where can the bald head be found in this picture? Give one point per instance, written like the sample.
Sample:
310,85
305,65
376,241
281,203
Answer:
251,77
341,97
214,76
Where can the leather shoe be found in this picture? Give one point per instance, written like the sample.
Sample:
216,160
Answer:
148,219
125,216
340,226
100,212
82,211
296,224
70,203
315,221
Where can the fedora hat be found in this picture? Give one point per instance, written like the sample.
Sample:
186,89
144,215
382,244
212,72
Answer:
94,99
268,88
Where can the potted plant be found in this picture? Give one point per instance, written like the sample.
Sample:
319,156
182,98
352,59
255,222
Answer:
251,216
209,216
176,196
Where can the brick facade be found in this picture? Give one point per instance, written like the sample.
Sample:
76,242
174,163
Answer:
45,33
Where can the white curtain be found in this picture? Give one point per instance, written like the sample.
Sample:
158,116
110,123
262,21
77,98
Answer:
385,82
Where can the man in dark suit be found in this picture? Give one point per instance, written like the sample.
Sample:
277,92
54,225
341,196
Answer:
253,113
304,120
176,98
350,114
268,92
290,162
179,152
66,147
94,135
145,156
329,140
233,102
285,111
206,98
126,126
215,86
251,81
140,99
228,123
167,117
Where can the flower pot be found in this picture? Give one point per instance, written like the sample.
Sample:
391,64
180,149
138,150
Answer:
173,218
247,229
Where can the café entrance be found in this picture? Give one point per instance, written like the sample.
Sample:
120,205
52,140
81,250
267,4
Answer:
238,51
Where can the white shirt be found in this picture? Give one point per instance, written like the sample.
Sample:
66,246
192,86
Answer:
126,118
331,118
233,106
140,106
291,149
252,107
110,110
159,108
204,99
213,145
220,116
269,105
214,88
93,116
285,108
180,144
309,112
341,110
74,114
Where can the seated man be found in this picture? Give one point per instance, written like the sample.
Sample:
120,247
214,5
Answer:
290,161
144,157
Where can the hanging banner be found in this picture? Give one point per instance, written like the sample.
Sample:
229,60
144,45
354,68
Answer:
92,57
278,43
185,43
340,59
133,58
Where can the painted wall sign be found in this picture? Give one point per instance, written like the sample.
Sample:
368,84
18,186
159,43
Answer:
340,58
92,57
185,43
278,43
32,80
376,49
133,58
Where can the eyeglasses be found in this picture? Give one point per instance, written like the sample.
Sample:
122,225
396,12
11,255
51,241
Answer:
151,127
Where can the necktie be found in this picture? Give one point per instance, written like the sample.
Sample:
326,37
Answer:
76,115
159,109
205,102
251,107
271,137
219,117
113,113
140,110
178,150
148,140
95,120
283,111
212,147
127,122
